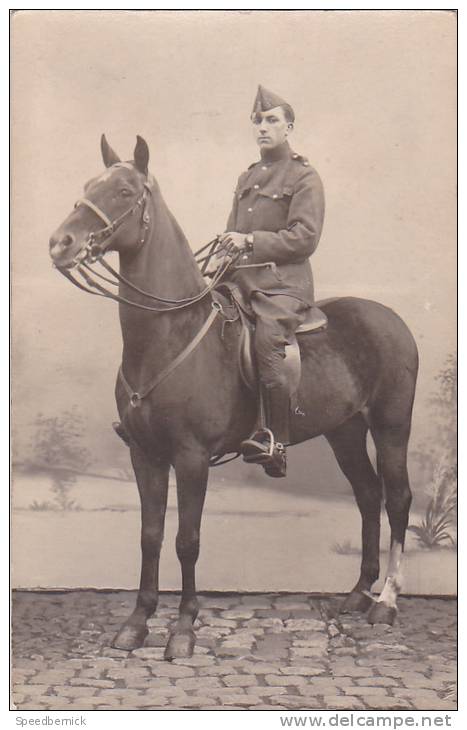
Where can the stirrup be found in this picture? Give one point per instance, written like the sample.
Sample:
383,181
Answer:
256,451
270,455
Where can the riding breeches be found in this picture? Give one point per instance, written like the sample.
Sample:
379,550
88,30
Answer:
277,318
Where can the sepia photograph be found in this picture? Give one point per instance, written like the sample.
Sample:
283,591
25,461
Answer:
234,481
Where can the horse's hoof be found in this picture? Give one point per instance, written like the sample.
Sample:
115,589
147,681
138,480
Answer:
382,613
180,645
130,637
356,601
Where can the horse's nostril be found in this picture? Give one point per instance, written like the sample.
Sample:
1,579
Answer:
66,241
58,242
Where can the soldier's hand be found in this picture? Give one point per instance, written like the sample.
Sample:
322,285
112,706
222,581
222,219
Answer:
230,245
218,258
213,264
235,242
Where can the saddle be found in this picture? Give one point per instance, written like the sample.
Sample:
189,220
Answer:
237,308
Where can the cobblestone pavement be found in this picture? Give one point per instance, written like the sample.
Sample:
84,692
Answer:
253,652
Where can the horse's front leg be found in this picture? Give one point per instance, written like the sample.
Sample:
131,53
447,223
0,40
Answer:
191,469
152,478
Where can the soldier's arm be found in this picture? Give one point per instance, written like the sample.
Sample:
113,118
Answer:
232,219
300,238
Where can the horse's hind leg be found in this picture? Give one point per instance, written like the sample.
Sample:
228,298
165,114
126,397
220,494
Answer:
348,442
191,469
153,480
391,445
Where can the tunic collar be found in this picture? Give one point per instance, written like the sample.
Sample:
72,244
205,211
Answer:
281,152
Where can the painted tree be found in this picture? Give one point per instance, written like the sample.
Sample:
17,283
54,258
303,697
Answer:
57,449
439,463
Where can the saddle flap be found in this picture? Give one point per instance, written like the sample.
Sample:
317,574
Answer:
316,320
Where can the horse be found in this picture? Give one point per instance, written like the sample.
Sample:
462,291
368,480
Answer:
182,401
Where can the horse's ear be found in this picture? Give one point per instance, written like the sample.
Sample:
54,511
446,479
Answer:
141,155
108,155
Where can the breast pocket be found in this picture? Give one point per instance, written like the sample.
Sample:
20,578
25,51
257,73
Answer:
274,204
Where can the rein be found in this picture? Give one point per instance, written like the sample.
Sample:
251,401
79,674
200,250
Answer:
170,305
102,292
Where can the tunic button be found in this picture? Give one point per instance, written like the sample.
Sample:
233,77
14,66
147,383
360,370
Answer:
250,210
264,167
245,258
275,196
256,187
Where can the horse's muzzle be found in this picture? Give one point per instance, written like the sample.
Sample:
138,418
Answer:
63,250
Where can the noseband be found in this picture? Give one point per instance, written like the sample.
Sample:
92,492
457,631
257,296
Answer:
98,241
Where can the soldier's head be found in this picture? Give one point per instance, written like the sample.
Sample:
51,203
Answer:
273,119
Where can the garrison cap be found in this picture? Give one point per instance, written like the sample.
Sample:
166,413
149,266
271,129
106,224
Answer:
266,100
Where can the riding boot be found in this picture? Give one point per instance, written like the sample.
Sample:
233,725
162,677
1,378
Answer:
277,402
278,412
267,445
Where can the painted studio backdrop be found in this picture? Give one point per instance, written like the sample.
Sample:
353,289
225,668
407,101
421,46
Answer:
374,95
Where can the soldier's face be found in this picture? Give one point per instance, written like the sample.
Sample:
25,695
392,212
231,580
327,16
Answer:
271,128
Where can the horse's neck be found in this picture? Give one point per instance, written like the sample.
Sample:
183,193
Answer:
164,266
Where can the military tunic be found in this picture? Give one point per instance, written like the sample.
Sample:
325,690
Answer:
280,200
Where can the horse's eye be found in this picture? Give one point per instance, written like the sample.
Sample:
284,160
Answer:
125,192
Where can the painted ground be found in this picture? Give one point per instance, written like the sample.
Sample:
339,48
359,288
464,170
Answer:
253,539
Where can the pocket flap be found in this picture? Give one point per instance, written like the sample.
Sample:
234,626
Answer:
242,191
277,192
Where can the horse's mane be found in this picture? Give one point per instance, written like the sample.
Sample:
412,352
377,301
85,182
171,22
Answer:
168,230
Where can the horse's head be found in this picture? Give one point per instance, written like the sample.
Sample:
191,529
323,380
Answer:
111,215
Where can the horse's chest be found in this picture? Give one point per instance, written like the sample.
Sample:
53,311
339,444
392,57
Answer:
157,425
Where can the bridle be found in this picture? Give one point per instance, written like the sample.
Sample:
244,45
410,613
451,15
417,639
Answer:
98,243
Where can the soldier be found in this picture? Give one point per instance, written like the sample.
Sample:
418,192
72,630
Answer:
274,226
